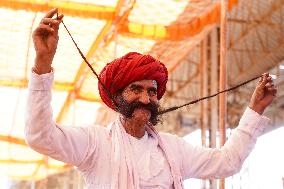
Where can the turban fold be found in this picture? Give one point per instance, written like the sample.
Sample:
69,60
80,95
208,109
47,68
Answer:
132,67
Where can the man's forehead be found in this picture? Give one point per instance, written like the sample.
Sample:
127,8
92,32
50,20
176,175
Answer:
146,82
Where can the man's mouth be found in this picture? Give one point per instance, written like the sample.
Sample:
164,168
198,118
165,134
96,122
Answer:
143,109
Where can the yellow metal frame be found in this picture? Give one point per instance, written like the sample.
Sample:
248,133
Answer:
68,8
13,140
23,83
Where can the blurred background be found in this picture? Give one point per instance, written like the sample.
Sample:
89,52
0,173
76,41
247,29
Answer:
187,36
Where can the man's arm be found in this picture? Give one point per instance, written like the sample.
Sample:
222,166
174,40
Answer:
67,144
199,162
205,163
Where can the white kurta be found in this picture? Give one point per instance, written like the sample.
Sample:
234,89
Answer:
152,167
89,148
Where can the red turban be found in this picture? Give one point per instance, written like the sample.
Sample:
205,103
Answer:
132,67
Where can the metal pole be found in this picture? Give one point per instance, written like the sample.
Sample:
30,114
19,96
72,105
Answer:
203,88
204,92
223,79
213,103
33,184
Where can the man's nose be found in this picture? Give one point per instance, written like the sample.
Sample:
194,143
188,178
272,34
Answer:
144,98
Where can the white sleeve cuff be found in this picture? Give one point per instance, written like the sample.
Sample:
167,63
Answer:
41,82
253,123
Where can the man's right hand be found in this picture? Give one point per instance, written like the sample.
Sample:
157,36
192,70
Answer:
45,38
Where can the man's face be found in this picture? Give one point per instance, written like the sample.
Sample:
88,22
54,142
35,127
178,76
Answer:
139,101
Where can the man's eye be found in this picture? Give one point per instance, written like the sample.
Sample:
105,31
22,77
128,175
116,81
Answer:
152,93
136,90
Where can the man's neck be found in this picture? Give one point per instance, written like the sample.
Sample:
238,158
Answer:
134,128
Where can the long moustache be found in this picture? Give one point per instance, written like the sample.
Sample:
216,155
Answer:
128,108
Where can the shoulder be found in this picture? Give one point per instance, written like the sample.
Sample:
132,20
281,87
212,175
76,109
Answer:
168,135
169,138
99,132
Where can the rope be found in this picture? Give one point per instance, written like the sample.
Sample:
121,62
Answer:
163,111
206,97
89,65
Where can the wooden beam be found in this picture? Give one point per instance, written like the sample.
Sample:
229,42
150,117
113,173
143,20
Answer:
203,90
223,79
213,103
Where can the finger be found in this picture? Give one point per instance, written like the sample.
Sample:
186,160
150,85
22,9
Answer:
266,74
270,88
260,80
50,21
269,78
264,81
262,77
51,13
60,17
272,91
269,84
44,29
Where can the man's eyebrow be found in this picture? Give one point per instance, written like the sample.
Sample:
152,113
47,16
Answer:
135,86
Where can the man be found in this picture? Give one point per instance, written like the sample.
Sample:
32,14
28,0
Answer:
130,153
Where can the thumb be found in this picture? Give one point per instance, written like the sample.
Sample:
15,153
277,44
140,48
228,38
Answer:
59,17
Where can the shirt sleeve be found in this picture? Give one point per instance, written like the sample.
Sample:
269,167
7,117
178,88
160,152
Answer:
206,163
67,144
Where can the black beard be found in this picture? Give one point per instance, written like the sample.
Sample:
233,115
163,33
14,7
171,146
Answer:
127,109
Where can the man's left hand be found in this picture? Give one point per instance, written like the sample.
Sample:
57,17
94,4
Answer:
263,95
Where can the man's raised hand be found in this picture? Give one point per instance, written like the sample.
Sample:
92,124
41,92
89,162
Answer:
45,38
263,95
